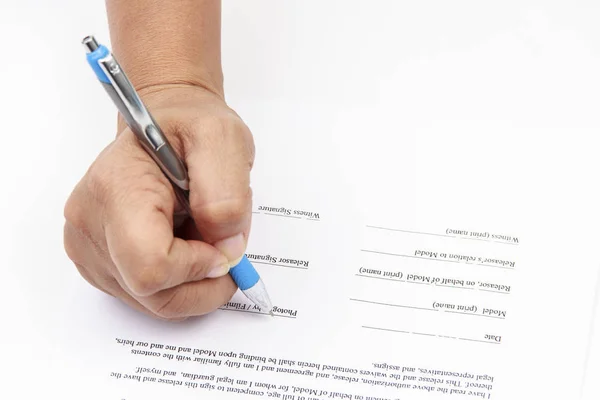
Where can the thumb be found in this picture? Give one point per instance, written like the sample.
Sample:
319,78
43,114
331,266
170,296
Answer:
219,159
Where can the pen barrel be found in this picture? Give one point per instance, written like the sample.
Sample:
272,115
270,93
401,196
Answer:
116,99
165,156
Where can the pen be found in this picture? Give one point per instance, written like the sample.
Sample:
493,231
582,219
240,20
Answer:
138,118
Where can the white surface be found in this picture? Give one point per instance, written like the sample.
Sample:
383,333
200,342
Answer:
590,387
309,76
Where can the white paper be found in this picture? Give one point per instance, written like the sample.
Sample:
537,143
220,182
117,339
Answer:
590,389
432,291
402,150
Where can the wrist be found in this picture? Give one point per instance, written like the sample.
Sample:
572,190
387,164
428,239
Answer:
170,98
152,70
168,43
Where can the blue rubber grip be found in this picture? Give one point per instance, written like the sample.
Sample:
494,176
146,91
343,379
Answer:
92,59
244,274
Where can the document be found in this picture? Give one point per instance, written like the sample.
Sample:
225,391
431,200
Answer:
437,281
425,219
436,266
399,305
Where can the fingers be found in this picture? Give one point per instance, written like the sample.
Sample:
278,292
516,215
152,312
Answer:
190,299
181,301
118,292
178,303
219,158
143,248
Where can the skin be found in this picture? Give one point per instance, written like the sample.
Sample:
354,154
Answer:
123,229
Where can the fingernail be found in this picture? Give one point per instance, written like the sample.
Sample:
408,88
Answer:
233,248
218,271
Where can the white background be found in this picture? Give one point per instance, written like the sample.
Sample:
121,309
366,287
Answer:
56,119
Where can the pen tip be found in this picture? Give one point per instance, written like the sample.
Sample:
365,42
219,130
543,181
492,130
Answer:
271,312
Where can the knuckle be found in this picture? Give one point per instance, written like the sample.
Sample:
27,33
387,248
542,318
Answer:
86,275
70,243
223,212
141,190
174,305
251,151
149,277
89,278
74,212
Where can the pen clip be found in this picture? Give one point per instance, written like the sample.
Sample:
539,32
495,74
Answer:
135,113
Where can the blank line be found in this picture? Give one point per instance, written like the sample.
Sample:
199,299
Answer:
480,341
494,266
405,255
281,215
383,329
484,240
393,305
279,265
405,281
255,212
257,312
423,334
313,219
421,283
472,238
379,277
427,334
441,235
511,243
405,231
494,291
462,313
424,309
455,287
432,259
475,315
490,316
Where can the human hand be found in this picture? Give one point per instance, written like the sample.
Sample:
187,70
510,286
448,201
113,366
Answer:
120,229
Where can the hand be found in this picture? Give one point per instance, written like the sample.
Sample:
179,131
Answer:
120,229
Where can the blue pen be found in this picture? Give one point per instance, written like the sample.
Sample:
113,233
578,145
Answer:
121,91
